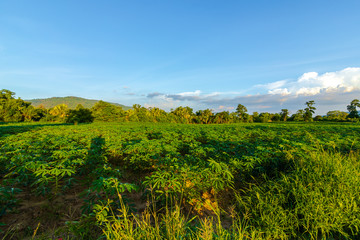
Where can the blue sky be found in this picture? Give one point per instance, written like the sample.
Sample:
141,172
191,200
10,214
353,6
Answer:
266,55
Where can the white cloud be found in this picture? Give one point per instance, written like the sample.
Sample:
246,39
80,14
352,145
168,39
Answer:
273,85
312,83
331,90
280,91
196,93
213,94
308,91
309,76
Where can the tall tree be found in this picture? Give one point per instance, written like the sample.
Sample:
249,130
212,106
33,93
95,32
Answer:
284,115
59,112
309,111
298,116
265,117
204,116
107,112
336,115
29,113
6,94
222,117
241,112
157,114
276,117
255,116
183,114
353,113
11,109
143,114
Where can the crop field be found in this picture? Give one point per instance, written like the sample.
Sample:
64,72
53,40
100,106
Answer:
180,181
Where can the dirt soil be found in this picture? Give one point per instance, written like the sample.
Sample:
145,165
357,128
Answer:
39,214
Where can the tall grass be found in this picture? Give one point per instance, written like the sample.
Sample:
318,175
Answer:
171,224
318,199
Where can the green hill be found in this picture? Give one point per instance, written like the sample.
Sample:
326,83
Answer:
72,102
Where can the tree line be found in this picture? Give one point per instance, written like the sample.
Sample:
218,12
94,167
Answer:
18,110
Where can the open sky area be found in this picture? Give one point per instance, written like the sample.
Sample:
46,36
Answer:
266,55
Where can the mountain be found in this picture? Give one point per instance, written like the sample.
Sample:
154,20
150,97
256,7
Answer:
72,102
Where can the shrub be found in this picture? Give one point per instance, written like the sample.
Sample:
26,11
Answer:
81,115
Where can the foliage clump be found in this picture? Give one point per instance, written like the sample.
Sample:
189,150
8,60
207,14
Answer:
79,115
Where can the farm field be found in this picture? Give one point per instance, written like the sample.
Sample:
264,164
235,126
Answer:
180,181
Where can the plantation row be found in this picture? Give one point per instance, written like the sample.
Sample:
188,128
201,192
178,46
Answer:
239,181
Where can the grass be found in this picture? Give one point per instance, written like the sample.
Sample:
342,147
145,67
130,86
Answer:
318,199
